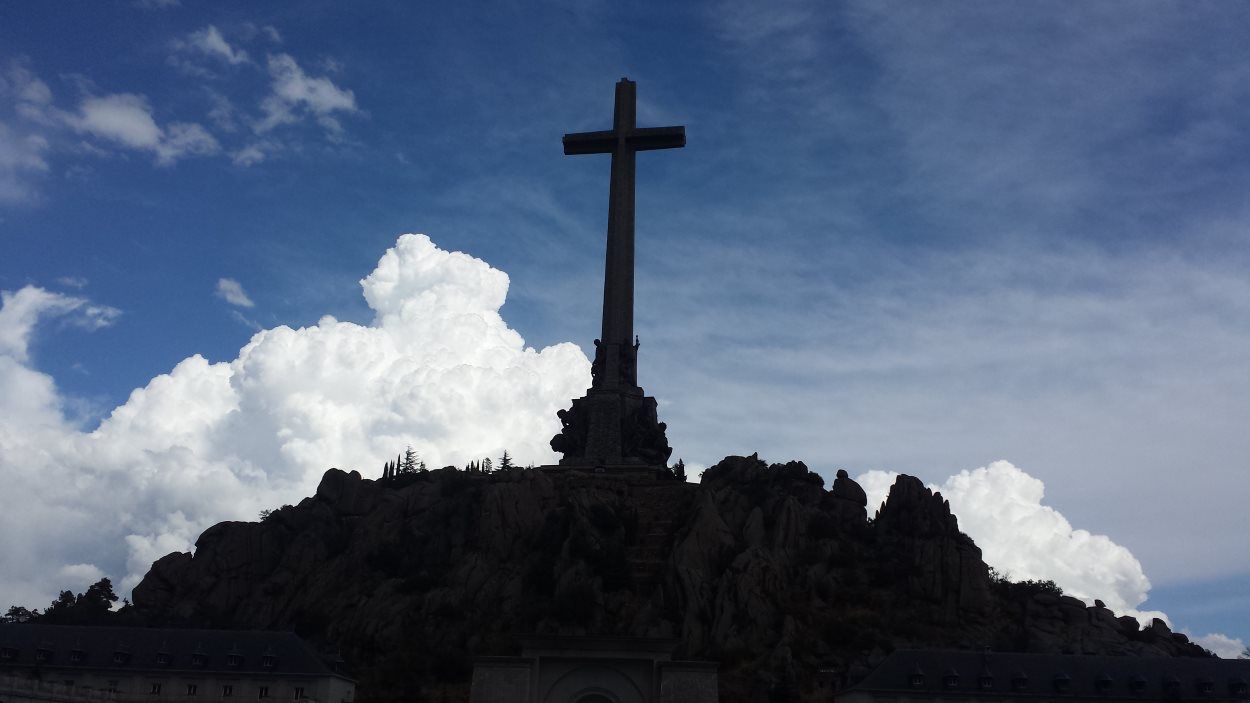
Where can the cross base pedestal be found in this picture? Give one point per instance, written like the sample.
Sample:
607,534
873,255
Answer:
612,430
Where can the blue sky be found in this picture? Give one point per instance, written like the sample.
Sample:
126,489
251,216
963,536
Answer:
902,237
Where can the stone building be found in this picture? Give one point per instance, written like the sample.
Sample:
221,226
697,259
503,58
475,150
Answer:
593,670
909,676
128,664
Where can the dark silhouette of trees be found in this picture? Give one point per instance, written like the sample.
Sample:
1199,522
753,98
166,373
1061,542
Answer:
679,470
505,462
18,614
92,607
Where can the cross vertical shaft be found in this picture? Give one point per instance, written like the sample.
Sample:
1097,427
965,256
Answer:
614,356
618,274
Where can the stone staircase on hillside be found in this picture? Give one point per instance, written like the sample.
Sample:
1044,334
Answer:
659,506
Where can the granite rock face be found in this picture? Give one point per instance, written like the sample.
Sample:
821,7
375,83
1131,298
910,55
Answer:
758,567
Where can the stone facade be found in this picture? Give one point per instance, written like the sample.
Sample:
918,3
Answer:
593,670
912,676
131,664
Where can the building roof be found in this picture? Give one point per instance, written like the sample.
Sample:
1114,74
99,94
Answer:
151,650
995,674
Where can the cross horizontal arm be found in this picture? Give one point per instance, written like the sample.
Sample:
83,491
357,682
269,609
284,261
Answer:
649,138
589,143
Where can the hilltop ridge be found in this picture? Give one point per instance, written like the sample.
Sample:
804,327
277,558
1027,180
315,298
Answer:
758,566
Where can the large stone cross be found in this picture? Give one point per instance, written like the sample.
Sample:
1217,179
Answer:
615,425
623,141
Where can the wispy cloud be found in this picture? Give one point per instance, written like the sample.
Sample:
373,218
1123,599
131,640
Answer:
209,41
295,93
126,119
33,128
24,148
232,292
24,308
205,52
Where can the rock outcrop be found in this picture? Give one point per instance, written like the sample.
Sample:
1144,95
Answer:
758,567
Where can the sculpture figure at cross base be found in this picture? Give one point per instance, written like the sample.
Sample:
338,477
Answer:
612,430
615,425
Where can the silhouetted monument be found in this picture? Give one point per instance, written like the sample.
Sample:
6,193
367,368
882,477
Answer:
615,424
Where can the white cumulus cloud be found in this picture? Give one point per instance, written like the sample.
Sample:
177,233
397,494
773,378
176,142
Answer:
437,368
232,292
1000,507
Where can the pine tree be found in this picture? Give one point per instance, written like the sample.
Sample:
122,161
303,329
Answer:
409,464
505,461
679,470
486,466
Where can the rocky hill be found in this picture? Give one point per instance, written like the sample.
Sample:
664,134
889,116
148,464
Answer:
759,567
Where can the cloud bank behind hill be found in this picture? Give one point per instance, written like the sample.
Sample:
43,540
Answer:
1000,507
437,368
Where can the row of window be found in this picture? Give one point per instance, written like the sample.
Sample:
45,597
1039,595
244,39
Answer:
122,656
227,690
1103,684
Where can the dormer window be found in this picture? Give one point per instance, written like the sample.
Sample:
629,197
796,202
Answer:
950,679
1102,684
43,654
1019,681
1137,684
8,654
1238,687
198,659
916,680
162,658
234,660
1062,682
268,661
1172,686
985,682
121,656
77,656
1206,687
